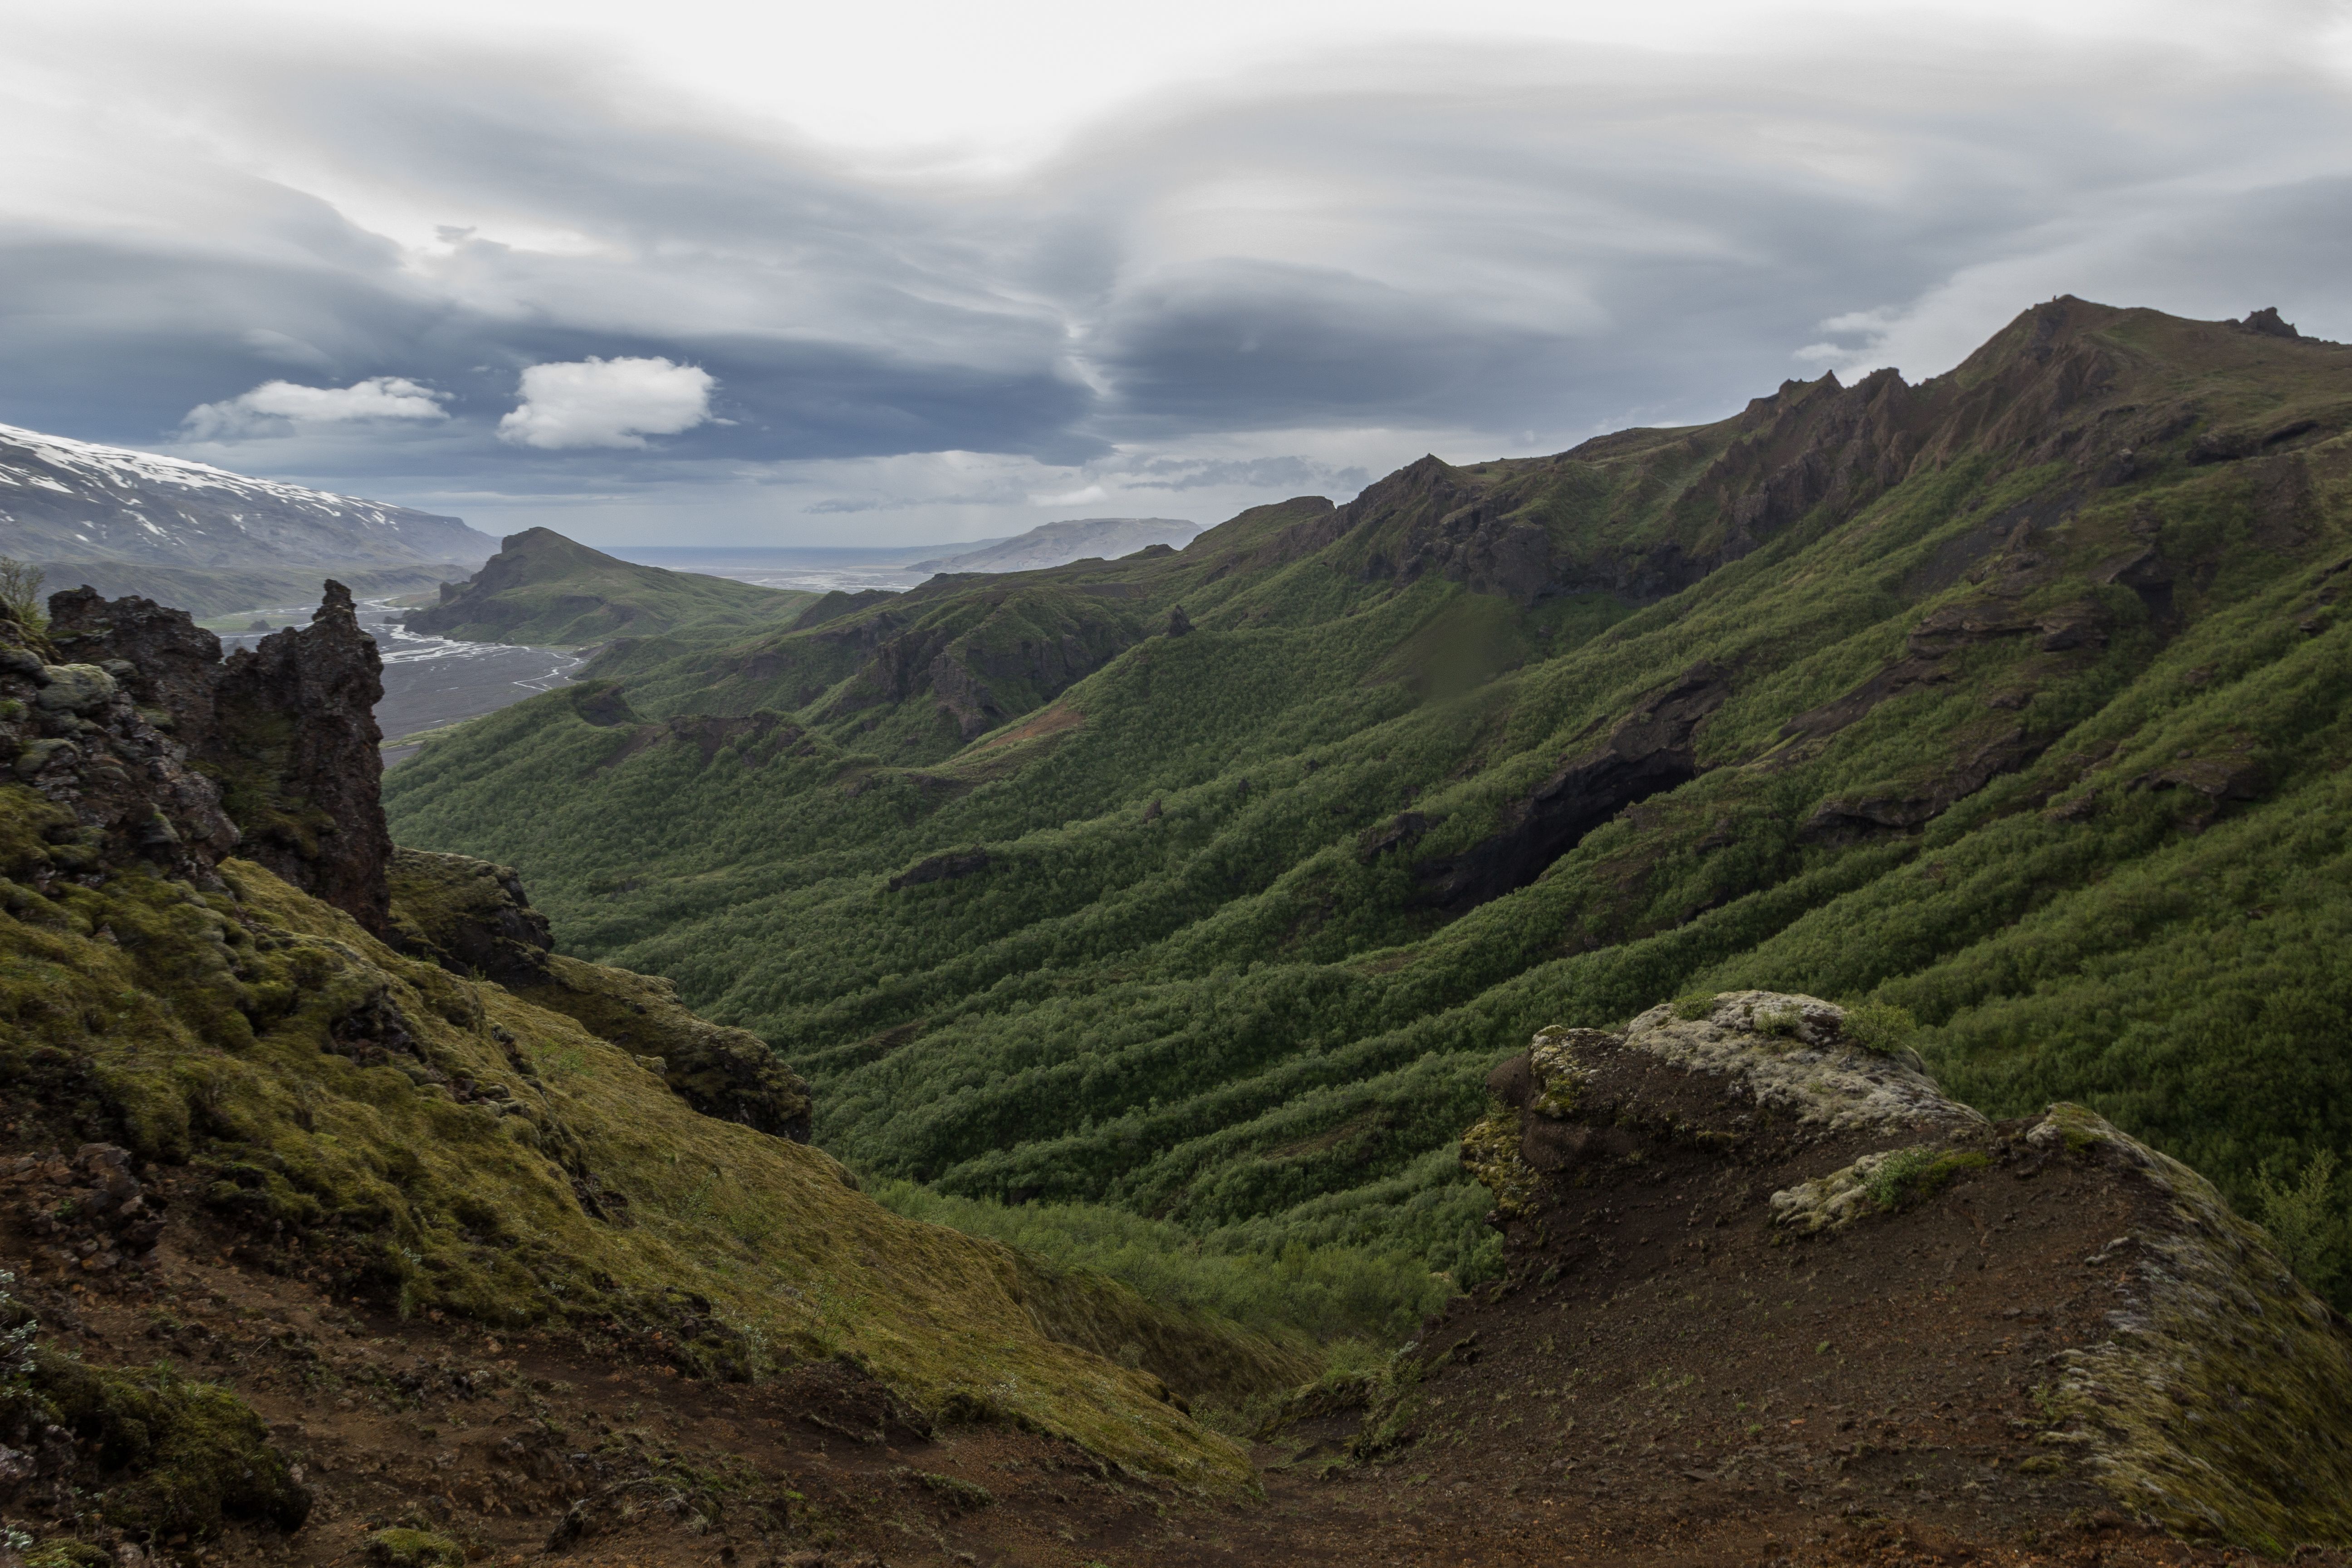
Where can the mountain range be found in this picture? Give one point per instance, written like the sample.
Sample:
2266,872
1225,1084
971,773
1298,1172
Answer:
206,539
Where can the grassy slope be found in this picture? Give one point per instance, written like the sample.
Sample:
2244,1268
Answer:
1190,986
543,589
204,1029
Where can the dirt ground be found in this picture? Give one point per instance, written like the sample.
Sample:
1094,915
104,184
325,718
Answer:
1660,1381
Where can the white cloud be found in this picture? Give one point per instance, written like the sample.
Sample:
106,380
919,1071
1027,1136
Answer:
276,407
607,403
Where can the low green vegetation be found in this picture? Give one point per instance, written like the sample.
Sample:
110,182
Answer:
161,1457
2028,737
1315,1295
435,1143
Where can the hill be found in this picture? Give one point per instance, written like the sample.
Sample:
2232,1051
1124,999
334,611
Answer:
542,588
1057,543
1209,887
126,521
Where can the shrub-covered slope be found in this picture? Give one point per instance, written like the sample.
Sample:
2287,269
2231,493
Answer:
1209,885
577,1153
543,588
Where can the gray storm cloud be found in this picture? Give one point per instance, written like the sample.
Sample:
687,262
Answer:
354,276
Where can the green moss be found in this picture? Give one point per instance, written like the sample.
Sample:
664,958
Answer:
176,1456
428,1143
1694,1007
58,1553
2220,1414
1912,1176
1490,1153
403,1548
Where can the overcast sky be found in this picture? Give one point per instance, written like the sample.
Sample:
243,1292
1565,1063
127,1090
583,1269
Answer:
896,271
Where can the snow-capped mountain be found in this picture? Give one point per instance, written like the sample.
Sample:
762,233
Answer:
63,501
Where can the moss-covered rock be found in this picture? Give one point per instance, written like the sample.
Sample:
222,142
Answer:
162,1456
399,1547
474,919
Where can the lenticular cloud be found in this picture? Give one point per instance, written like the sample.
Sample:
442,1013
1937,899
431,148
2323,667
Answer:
275,406
607,403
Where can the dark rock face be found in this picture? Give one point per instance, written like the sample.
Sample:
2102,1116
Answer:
297,733
284,734
2267,323
1650,750
174,661
72,732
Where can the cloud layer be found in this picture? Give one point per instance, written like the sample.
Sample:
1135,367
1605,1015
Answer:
277,408
522,287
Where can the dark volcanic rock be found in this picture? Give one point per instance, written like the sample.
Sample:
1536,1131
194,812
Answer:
72,730
2267,323
287,728
1650,750
297,735
174,661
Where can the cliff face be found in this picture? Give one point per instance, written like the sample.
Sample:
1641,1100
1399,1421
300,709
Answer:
286,729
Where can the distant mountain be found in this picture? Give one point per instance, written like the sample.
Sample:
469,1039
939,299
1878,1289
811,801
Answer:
543,588
203,538
1055,544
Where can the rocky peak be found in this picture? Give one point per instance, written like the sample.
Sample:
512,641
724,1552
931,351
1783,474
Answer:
72,730
2266,323
297,719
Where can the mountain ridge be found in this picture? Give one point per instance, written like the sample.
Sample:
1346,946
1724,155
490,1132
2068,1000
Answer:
1058,544
543,588
134,522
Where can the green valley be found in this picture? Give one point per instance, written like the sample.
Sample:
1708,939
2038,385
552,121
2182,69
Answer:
1202,889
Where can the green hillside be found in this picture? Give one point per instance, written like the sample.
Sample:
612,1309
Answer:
1209,885
544,589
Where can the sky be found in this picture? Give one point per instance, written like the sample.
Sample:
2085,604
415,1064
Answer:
909,271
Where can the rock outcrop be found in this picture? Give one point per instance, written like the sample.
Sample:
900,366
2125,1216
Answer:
473,918
73,732
287,729
2014,1317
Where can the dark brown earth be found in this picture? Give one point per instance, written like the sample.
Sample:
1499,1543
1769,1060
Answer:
1661,1380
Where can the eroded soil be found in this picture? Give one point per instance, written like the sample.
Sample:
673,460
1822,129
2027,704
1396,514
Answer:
1663,1383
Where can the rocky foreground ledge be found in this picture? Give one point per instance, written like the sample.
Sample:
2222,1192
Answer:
2021,1306
1764,1280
